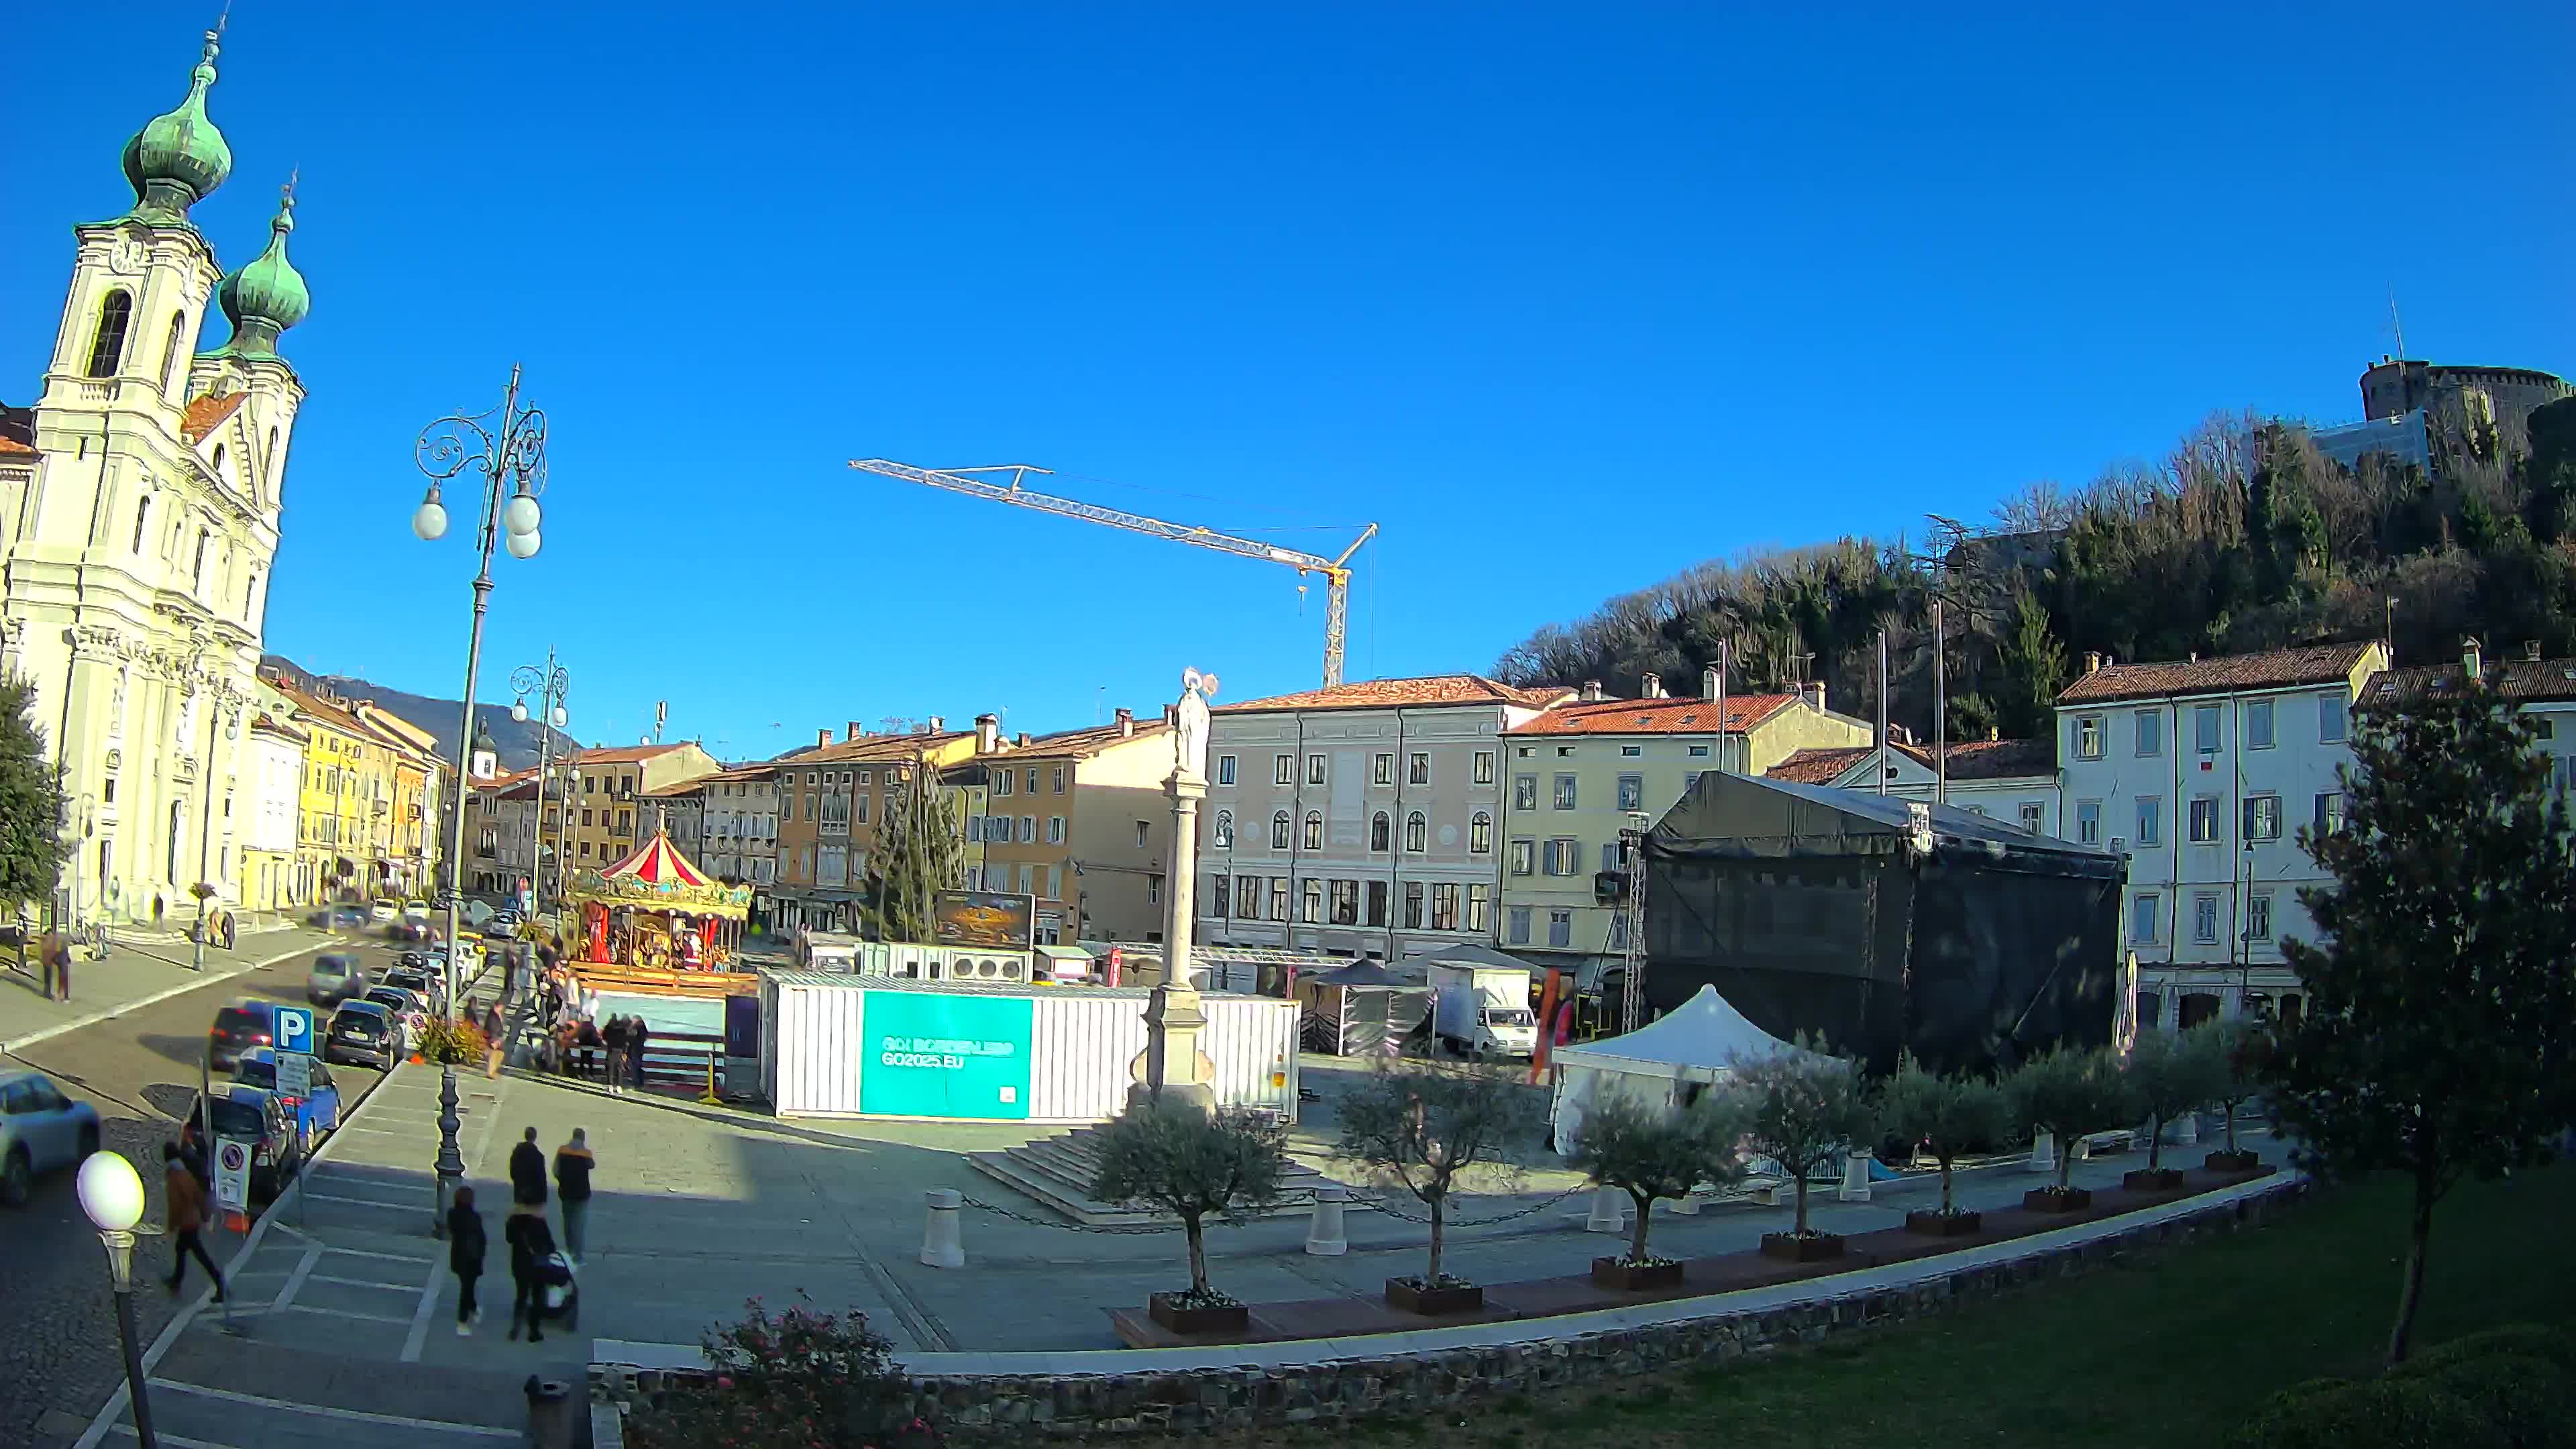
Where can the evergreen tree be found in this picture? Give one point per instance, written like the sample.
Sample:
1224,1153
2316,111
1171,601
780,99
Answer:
2440,1037
917,856
2034,666
32,848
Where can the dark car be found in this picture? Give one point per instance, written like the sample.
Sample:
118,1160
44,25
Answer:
407,932
256,1117
363,1033
238,1028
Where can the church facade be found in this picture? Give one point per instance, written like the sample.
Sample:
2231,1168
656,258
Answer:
140,497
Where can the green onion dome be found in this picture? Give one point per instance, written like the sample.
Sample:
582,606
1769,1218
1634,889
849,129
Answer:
268,296
178,159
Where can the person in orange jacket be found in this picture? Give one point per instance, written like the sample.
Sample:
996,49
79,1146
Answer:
186,1214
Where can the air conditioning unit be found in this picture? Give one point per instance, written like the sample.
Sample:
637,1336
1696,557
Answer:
992,968
916,962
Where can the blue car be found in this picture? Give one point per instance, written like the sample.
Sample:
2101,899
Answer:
316,1114
41,1130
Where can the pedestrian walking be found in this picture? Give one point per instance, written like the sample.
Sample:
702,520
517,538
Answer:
492,1029
573,1163
530,1245
613,1032
58,959
636,1032
510,973
465,1257
587,1037
528,1172
184,1212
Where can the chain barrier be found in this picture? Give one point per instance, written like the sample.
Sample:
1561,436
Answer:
1446,1223
1106,1229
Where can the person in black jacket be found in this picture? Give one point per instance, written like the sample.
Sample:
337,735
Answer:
528,1172
530,1245
465,1257
573,1163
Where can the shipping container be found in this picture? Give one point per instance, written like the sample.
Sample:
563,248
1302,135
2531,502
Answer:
845,1046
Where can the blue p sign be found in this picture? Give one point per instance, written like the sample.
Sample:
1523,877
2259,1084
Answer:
295,1030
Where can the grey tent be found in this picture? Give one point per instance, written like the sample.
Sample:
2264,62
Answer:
1882,925
1362,1009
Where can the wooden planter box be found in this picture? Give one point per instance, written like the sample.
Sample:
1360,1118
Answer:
1790,1248
2050,1200
1464,1298
1620,1275
1212,1318
2152,1179
2231,1163
1936,1224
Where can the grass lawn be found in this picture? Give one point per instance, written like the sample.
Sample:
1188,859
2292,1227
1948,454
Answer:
2169,1350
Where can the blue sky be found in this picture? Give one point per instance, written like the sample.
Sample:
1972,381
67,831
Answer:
1564,297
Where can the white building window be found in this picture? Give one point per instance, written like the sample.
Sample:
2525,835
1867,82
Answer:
1563,857
1225,769
2204,820
2204,728
1523,853
1382,769
2142,920
1279,831
1525,792
1314,830
2329,813
1517,925
2150,726
1028,830
1565,792
1560,928
1055,830
1417,769
1484,767
2330,717
2258,916
1283,770
1480,833
1417,832
2088,822
2204,918
1314,769
1142,827
2262,817
2258,724
1632,792
2033,814
2151,821
1381,832
2088,737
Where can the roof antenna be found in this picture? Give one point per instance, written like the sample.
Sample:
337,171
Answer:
2396,323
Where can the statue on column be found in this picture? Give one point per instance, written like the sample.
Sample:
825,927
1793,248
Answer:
1172,1068
1193,728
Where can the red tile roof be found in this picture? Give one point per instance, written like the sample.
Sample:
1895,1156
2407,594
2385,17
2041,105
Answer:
622,754
1819,767
206,414
1426,690
2530,680
2276,669
1969,760
1667,716
1085,742
867,748
11,447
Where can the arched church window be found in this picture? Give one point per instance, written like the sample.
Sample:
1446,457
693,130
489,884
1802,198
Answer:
219,460
1379,831
1417,831
170,378
142,519
268,459
107,344
197,570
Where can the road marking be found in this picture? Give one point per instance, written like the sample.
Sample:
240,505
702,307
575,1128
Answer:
295,1279
421,1313
177,1441
328,1411
363,1202
362,1283
15,1045
345,1313
375,1131
382,1257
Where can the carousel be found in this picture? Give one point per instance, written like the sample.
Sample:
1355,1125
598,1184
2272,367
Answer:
655,911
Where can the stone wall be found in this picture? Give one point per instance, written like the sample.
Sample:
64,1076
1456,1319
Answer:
1063,1405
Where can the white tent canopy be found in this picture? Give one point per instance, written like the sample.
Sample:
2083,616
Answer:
1665,1063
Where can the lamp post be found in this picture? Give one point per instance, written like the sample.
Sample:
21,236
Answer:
112,1196
549,684
508,448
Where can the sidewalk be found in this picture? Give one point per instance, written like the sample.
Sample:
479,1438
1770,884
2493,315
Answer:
139,970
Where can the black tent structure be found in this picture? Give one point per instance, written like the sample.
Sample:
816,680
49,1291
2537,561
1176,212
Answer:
1362,1009
1881,924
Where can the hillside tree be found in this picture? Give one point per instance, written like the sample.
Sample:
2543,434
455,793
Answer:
2439,1040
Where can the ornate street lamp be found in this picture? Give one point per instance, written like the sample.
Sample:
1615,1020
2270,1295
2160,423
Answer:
112,1196
508,448
549,685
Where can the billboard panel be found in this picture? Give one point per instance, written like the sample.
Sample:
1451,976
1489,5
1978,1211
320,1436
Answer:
997,920
934,1055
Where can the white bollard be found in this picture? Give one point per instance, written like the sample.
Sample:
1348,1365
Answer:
1324,1237
2043,1152
1856,1175
2187,1128
1687,1205
1609,1211
940,1245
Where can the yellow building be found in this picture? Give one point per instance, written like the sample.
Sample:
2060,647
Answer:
608,819
830,801
365,785
1574,775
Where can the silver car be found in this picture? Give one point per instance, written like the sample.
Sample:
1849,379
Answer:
40,1130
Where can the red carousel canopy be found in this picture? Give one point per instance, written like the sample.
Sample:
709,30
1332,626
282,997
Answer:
657,877
656,863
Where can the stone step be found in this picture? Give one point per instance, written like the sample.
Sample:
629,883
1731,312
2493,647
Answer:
1071,1195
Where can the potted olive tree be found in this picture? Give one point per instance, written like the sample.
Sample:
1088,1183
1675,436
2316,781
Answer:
1945,1116
1653,1153
2069,1093
1192,1164
1420,1125
2171,1074
2238,1053
1801,1109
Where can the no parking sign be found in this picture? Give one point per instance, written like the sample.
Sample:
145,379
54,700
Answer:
232,1175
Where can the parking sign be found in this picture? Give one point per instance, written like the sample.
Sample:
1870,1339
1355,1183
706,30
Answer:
295,1030
294,1076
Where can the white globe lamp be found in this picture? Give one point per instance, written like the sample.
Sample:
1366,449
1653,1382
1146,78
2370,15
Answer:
523,545
111,1193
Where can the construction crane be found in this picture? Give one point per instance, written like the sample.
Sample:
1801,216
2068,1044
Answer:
1336,571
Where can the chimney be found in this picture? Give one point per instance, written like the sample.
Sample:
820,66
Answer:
1023,740
854,731
938,725
1708,683
2472,658
1591,693
822,738
2092,661
988,733
1815,694
1126,723
1172,715
1650,685
2531,651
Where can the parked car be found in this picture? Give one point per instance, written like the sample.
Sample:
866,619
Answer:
258,1118
317,1114
364,1033
238,1028
340,918
384,908
407,932
410,1010
335,978
416,911
413,960
428,983
40,1130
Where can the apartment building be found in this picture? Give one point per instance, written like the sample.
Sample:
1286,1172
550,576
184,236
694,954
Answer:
831,799
273,757
1576,773
2545,689
2202,771
608,813
361,830
1359,819
739,828
2014,781
502,834
1079,820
